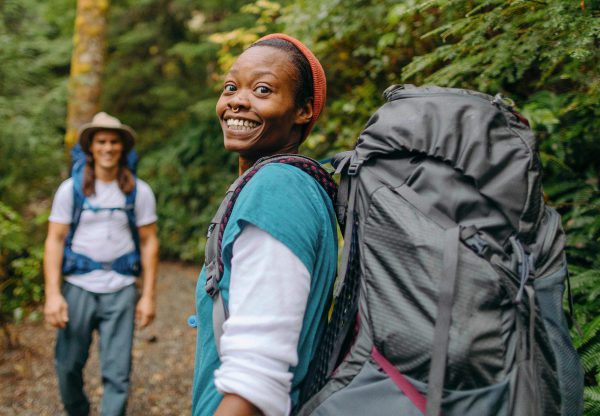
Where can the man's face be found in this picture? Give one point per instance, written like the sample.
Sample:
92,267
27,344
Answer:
106,149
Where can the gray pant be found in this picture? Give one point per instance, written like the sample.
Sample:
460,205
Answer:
112,314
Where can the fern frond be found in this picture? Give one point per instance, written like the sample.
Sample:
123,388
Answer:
590,359
591,397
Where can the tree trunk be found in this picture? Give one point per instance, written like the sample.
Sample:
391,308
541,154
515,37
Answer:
87,64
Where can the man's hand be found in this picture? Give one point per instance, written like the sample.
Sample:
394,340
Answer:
145,311
56,311
55,308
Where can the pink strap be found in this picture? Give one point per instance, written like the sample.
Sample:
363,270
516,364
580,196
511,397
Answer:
402,382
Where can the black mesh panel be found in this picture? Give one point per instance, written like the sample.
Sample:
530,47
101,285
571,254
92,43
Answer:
338,329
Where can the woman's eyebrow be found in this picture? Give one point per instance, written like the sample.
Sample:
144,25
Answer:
256,74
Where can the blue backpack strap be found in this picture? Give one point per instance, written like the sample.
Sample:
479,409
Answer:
78,158
78,202
70,262
130,211
132,261
132,162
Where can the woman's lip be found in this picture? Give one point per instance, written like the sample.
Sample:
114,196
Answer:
239,124
257,123
237,116
239,132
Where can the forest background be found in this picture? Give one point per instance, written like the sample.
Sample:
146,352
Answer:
164,60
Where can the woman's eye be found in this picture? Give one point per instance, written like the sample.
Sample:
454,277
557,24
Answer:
229,88
262,90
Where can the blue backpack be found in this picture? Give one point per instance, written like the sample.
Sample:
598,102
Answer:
76,263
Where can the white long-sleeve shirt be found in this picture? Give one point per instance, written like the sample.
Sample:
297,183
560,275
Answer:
267,300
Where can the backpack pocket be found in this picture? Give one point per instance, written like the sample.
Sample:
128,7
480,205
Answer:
549,293
401,261
373,392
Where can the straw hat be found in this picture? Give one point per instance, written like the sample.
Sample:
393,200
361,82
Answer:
104,121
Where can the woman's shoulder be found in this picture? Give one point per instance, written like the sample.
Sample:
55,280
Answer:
285,177
282,188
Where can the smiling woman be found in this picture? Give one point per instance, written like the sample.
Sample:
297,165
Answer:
259,113
279,247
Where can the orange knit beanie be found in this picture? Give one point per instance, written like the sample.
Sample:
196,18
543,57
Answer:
319,81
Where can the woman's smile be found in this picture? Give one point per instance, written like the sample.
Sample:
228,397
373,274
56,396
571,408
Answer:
241,124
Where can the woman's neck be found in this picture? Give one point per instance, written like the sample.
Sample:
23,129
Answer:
246,162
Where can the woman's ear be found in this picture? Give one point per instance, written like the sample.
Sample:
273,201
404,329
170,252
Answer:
305,113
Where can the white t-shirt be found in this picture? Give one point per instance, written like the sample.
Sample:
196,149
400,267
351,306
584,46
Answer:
104,235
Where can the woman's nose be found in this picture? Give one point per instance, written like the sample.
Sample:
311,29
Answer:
239,100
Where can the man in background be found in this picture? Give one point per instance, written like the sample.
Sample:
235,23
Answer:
101,238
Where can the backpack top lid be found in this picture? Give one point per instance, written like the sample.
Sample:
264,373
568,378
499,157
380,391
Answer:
476,134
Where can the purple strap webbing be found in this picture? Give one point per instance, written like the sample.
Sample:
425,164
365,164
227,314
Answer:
402,382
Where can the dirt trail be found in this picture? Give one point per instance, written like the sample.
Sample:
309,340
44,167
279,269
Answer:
162,365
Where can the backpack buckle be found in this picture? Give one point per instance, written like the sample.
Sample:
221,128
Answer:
477,244
211,227
499,99
211,286
353,168
212,282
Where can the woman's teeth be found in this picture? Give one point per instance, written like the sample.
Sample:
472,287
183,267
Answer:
238,124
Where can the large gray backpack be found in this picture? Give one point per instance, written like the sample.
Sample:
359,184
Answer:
450,288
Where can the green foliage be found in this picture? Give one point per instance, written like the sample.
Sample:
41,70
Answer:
35,47
500,43
20,266
162,79
35,53
363,47
160,63
191,177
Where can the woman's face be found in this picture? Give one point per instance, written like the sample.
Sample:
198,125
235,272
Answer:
257,110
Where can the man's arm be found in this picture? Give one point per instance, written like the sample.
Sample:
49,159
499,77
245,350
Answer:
146,307
55,307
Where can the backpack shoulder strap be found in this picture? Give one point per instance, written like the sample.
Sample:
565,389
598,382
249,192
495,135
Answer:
213,261
130,211
78,160
78,202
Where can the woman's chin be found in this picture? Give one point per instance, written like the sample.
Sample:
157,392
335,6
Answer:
236,146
